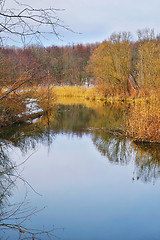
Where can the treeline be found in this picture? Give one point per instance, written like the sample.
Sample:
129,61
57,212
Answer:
59,65
127,67
119,66
22,70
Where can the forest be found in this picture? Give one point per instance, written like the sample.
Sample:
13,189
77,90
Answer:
121,65
126,67
118,69
65,65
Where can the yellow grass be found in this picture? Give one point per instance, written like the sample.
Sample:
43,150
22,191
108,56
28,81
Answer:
99,93
143,123
78,91
91,93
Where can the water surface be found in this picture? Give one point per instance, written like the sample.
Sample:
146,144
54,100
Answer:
95,185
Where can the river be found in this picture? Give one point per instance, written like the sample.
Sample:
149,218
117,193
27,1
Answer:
84,181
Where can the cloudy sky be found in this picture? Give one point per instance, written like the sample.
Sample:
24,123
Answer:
94,20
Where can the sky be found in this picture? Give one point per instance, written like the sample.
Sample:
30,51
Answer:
95,20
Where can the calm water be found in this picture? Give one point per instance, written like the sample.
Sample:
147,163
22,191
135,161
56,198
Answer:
95,185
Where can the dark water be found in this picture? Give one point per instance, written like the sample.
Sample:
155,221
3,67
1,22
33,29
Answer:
95,185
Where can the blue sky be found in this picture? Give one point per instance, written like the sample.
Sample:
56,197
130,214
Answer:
95,20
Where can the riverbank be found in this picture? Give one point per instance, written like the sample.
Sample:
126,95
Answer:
141,114
98,93
142,122
26,105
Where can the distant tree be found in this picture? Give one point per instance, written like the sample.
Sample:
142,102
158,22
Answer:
66,65
28,24
6,67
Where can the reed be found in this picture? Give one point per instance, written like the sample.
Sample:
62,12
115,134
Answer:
143,122
102,92
78,91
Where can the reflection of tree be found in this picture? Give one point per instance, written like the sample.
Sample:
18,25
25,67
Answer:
27,136
147,162
14,216
122,151
73,119
117,150
6,169
79,120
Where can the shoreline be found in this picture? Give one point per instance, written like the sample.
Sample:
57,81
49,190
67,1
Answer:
143,114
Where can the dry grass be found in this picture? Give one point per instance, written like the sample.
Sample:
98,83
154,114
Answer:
98,92
102,92
78,91
143,123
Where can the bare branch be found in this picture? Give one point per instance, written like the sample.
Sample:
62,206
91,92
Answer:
26,21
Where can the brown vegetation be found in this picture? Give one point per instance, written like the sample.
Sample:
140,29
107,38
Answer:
117,70
143,123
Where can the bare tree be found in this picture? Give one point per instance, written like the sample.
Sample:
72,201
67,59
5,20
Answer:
27,22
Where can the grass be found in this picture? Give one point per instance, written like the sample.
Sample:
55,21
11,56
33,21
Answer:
143,122
89,93
99,93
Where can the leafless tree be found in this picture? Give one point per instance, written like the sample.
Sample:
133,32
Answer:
27,22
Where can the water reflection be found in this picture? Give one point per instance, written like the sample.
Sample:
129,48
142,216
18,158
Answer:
14,215
147,162
117,150
146,157
79,120
6,171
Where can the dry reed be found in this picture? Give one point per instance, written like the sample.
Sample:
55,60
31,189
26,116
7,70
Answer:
143,123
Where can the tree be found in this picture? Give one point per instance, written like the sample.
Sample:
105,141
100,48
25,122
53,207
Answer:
66,65
148,69
28,22
111,62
